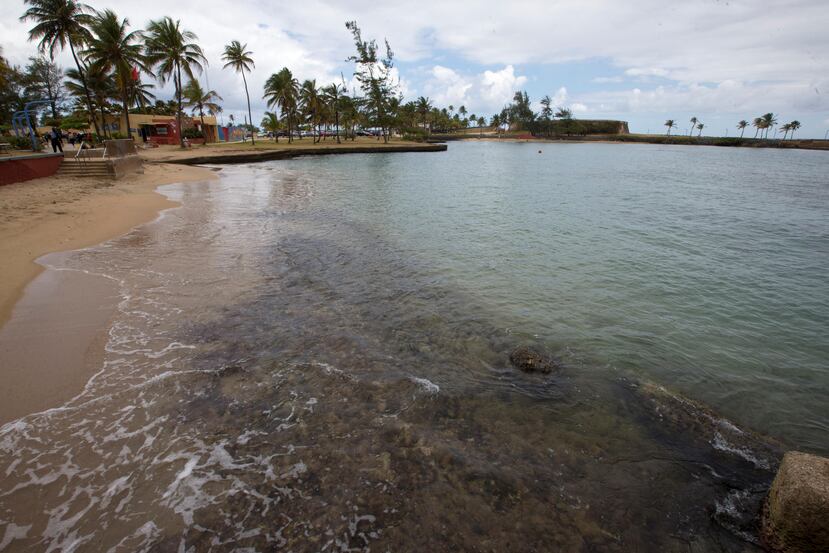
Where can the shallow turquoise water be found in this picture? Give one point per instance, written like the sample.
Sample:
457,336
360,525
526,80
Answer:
313,355
706,269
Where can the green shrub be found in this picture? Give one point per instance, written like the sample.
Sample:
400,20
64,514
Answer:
193,132
414,134
21,142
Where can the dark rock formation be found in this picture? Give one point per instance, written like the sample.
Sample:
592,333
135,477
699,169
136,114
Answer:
531,360
796,515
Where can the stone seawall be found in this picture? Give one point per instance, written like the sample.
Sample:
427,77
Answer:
268,155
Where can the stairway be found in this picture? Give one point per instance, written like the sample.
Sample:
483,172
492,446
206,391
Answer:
96,168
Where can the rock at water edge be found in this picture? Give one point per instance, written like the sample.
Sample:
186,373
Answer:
796,514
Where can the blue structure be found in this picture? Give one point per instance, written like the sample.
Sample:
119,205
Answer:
22,119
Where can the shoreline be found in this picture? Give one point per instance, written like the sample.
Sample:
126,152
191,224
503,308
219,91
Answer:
720,142
270,151
48,217
56,214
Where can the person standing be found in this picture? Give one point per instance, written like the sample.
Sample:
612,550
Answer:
55,138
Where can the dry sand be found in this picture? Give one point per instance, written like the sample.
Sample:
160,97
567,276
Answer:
52,339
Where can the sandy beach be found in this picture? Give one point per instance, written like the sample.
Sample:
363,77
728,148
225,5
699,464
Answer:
57,214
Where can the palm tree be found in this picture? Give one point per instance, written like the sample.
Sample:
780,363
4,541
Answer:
786,127
332,95
198,100
98,83
481,123
424,108
58,23
769,120
742,126
118,51
270,123
237,57
793,126
758,125
282,90
700,126
694,122
497,122
172,51
140,95
671,124
311,105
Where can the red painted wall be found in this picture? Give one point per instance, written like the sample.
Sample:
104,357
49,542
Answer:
26,168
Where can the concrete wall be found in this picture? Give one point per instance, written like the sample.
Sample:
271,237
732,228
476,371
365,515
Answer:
22,168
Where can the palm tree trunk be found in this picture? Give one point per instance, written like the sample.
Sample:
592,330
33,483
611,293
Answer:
337,124
244,80
178,113
85,88
742,132
201,116
125,101
103,121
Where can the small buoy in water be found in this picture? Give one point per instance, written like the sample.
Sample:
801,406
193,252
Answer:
539,151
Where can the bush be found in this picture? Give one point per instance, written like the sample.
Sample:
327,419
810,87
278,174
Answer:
415,134
193,133
119,136
21,142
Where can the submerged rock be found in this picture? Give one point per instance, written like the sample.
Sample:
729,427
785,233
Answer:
531,360
796,515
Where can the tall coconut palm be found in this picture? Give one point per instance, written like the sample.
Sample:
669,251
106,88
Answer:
311,103
700,126
758,124
332,96
769,121
173,51
694,122
282,91
238,57
671,124
481,123
198,100
116,50
742,126
59,23
786,127
793,126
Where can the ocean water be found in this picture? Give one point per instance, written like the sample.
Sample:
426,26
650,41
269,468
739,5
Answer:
313,355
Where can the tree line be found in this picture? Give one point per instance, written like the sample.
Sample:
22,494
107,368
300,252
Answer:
112,59
763,125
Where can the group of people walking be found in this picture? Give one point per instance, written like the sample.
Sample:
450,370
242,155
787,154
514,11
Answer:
55,137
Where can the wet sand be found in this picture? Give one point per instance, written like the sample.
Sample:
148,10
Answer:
57,214
53,324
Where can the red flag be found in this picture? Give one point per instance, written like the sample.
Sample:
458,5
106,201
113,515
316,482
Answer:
134,73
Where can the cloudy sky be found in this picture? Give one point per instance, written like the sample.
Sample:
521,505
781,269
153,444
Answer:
639,60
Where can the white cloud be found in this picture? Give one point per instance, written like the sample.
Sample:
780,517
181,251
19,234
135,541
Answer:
605,80
646,72
447,87
711,55
498,87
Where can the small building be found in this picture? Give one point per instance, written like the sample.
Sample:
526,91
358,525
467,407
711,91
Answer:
162,129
